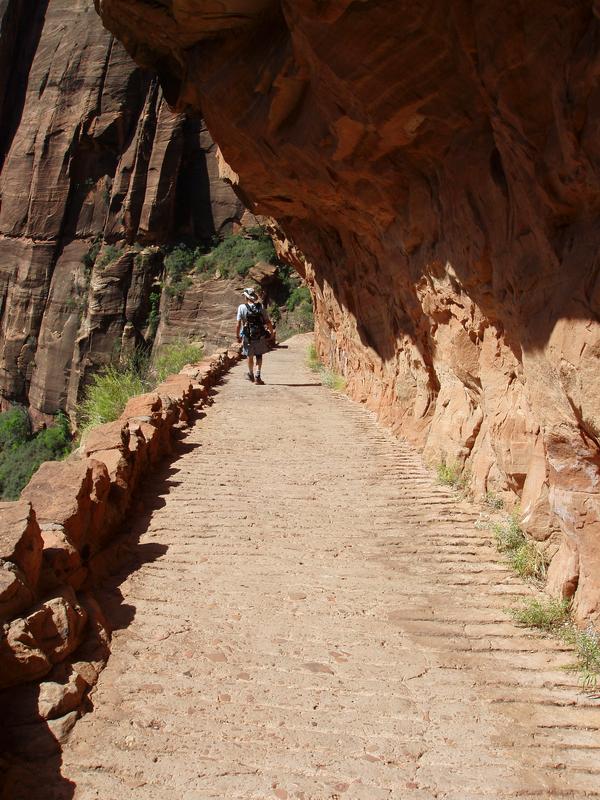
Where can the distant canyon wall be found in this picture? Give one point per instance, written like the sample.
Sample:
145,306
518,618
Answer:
437,163
91,156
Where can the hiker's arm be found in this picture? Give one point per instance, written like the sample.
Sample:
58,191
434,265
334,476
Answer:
238,328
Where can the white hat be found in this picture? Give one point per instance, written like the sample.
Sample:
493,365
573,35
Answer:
250,294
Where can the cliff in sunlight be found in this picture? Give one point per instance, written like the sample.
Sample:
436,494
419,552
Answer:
438,166
96,175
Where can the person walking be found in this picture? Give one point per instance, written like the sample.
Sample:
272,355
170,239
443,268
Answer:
253,330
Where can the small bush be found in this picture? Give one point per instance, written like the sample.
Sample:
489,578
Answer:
90,257
22,453
547,614
523,555
109,254
528,561
15,427
493,501
299,296
235,255
587,650
108,392
173,357
153,315
508,535
328,378
333,380
312,358
450,475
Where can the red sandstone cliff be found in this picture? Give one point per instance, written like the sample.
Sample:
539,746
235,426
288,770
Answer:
90,153
438,164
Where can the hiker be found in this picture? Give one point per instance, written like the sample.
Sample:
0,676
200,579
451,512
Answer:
253,329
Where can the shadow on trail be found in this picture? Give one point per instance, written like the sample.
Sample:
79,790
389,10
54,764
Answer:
297,385
30,753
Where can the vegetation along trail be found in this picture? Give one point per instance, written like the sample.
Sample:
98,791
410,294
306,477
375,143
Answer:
314,617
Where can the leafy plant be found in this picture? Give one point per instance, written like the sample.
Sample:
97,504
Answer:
333,380
299,296
493,501
451,475
23,452
15,427
90,257
554,617
154,314
547,614
236,254
109,255
587,650
328,378
523,555
312,358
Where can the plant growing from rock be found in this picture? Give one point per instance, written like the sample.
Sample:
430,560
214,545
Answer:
553,616
332,380
172,358
107,394
546,614
523,555
451,474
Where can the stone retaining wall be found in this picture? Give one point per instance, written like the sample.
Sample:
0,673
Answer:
54,543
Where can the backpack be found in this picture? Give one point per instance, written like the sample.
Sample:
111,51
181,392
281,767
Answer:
254,326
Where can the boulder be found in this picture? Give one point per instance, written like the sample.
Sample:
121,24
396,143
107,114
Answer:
20,557
48,633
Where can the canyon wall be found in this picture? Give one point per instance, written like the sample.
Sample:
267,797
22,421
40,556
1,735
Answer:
437,164
95,173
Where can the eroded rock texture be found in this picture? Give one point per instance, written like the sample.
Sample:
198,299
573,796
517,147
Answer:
91,154
438,164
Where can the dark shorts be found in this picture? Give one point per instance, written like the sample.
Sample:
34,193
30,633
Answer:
256,348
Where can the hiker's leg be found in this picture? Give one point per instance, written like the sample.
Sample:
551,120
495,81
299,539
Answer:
251,365
258,365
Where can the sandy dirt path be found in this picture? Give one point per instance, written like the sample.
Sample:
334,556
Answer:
313,617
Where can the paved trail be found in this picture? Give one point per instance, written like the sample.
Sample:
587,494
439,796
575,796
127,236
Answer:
321,620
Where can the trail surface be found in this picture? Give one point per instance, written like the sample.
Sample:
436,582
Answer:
313,617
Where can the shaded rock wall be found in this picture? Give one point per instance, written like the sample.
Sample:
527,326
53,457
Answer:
438,165
89,152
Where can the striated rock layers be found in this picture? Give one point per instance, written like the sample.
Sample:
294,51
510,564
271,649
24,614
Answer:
438,164
91,159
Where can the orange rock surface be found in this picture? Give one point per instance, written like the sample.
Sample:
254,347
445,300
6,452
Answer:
438,166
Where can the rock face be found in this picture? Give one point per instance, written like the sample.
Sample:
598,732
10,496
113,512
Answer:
438,165
91,157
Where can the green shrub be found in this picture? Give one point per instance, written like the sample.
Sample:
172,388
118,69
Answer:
274,312
299,296
493,501
15,427
110,253
90,257
333,380
107,394
523,555
154,314
173,357
547,614
312,358
21,459
508,535
236,254
451,475
587,650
